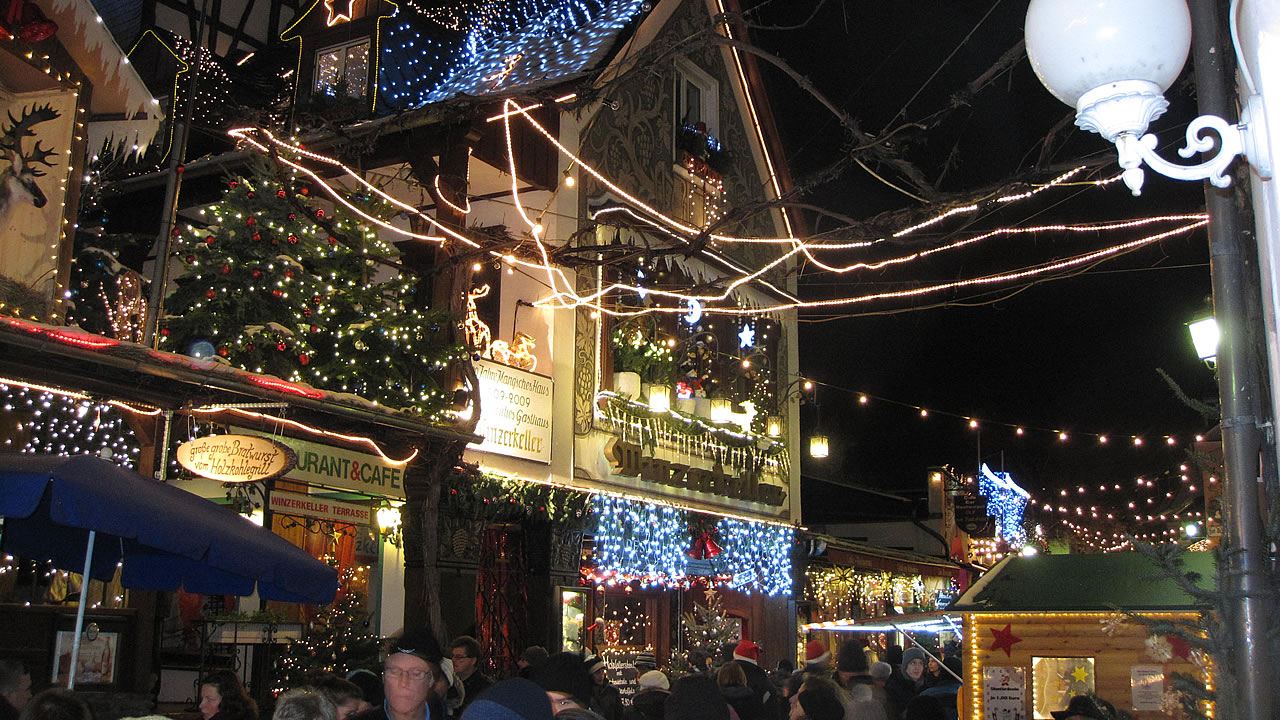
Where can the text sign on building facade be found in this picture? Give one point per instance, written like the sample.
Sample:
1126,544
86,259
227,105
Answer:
631,460
313,506
515,412
235,458
341,468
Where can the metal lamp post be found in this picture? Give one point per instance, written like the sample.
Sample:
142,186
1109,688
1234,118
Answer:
1112,61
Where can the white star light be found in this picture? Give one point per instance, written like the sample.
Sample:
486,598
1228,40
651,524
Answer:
747,338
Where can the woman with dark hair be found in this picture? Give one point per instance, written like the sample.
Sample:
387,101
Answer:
223,697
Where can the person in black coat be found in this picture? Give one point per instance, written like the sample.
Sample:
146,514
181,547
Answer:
736,692
907,681
649,702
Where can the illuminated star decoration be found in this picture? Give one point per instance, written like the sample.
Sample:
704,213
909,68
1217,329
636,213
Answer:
1080,674
747,338
1005,640
335,16
695,311
640,290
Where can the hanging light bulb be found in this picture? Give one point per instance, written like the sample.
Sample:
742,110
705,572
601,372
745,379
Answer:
819,446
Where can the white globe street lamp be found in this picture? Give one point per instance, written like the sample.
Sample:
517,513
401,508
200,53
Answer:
1112,60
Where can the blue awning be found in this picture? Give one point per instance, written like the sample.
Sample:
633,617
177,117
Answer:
163,537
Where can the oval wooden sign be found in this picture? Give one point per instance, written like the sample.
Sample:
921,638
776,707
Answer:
236,458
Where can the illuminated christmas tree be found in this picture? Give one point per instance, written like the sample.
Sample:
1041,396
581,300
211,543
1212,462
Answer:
706,627
277,282
338,641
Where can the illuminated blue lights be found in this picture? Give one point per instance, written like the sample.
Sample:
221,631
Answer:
1006,502
756,556
484,47
649,544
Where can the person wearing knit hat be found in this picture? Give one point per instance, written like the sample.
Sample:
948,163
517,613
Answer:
645,662
514,699
854,675
696,697
908,681
650,700
413,679
605,698
565,680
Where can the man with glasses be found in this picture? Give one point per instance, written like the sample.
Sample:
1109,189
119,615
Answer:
464,651
413,680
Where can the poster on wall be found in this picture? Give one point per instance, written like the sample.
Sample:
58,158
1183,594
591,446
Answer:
38,127
515,412
96,662
1004,693
1057,680
1147,684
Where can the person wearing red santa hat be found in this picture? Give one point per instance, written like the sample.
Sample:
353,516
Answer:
817,659
747,655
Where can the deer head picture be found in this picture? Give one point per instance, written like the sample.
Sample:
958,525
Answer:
18,181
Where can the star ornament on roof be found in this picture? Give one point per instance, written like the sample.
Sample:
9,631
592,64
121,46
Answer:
335,15
1005,640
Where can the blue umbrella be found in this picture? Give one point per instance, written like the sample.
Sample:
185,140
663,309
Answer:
87,512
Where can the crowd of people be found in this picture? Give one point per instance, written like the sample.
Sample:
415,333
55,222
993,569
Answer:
420,682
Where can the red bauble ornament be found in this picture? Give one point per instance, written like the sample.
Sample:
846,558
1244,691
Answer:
292,216
315,328
165,332
306,312
333,240
293,239
288,273
251,195
304,358
175,232
222,351
210,240
277,292
319,212
280,346
257,274
226,269
248,347
232,184
257,236
251,222
304,190
211,293
280,193
317,300
189,259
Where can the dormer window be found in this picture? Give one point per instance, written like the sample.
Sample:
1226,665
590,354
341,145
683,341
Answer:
342,71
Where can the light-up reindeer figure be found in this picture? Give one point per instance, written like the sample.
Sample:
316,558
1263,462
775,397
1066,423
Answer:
18,181
477,333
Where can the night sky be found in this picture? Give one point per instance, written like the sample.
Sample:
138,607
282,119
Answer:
1078,354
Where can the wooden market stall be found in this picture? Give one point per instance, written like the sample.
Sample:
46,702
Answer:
1041,629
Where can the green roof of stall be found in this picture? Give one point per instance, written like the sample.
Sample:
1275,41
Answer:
1084,583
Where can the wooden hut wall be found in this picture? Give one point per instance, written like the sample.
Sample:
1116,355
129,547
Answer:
1076,635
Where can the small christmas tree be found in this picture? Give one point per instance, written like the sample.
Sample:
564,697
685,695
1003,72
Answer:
706,627
339,641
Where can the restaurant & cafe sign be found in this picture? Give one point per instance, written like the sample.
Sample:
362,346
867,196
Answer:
340,468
